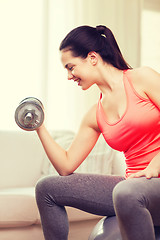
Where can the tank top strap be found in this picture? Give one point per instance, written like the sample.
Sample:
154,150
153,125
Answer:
129,89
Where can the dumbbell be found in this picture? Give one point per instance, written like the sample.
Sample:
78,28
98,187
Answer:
29,115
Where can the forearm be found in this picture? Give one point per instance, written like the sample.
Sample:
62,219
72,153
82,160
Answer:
56,154
66,162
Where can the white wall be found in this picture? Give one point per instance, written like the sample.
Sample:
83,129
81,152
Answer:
30,33
150,47
22,55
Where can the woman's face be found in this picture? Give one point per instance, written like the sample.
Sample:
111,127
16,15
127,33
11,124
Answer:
80,70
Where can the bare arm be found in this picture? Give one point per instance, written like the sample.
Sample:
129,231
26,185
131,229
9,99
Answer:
67,161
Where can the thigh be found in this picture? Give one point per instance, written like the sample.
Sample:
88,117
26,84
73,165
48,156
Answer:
147,194
88,192
151,191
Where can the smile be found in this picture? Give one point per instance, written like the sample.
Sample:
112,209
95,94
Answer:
77,80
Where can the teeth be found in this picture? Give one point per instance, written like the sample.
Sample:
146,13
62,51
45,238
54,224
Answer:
77,80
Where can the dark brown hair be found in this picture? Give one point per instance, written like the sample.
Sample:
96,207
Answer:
85,39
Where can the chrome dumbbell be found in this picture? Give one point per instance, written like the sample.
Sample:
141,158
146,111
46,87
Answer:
29,115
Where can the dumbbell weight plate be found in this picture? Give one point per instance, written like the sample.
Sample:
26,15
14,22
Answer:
29,114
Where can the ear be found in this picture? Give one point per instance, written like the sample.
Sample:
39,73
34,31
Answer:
93,57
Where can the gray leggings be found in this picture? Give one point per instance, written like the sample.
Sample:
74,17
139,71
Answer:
136,203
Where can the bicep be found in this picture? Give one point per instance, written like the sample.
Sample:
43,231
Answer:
84,141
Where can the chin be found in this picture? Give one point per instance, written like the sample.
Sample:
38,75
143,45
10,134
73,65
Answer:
84,88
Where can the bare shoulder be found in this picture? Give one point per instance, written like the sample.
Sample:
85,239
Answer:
145,79
147,83
144,75
90,118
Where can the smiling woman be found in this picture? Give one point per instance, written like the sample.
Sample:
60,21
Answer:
126,94
93,58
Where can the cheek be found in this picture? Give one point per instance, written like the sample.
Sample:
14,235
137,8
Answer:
88,73
75,72
84,71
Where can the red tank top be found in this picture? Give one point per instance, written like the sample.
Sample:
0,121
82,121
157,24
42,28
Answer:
137,132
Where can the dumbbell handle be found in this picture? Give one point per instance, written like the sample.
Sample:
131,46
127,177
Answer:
28,118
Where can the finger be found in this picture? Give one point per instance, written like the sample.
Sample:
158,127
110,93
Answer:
137,175
151,175
134,175
131,176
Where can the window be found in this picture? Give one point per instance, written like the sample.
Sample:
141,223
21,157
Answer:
150,38
22,55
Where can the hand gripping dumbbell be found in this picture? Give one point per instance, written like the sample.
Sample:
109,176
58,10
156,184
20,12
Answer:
29,115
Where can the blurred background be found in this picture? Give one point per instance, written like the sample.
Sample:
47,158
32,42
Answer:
30,35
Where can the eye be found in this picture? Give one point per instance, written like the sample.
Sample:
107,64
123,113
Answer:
71,68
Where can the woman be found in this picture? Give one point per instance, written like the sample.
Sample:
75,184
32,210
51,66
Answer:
128,116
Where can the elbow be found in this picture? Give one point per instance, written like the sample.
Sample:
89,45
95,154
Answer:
65,172
67,169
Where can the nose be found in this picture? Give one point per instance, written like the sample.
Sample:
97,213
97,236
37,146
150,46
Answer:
70,76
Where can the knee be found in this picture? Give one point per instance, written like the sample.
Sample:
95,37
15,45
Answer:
40,188
43,186
125,196
40,185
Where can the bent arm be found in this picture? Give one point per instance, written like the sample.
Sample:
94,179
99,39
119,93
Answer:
67,161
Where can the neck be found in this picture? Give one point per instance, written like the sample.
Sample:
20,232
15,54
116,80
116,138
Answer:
110,78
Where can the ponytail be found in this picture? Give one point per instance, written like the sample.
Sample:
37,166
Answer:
85,39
